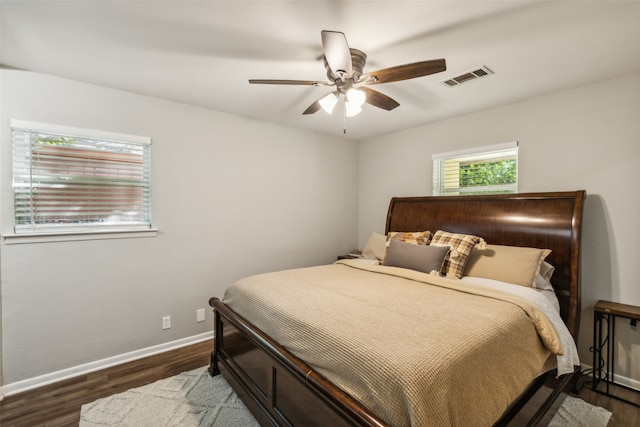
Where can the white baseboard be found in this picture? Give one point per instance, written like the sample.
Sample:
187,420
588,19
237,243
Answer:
42,380
619,379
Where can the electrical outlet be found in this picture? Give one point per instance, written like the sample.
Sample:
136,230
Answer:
166,322
200,315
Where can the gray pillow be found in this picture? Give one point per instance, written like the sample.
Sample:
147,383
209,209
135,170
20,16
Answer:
415,257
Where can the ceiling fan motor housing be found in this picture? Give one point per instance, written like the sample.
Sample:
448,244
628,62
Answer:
358,61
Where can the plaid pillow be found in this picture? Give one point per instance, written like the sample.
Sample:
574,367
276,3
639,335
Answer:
461,246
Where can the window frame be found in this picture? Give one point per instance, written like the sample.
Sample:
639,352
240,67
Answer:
92,229
453,159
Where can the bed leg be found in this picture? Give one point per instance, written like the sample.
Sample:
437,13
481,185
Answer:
217,331
213,367
579,381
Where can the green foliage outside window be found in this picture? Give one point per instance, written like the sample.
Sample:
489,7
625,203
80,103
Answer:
55,140
490,173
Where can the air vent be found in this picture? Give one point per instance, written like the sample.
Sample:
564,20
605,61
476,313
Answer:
468,76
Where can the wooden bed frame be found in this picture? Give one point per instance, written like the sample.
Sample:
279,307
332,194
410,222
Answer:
280,389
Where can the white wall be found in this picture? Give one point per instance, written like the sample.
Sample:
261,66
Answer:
585,138
231,197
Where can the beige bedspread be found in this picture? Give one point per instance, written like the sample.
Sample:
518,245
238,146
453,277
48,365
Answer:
416,349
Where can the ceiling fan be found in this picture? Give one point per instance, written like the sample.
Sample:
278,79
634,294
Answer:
345,73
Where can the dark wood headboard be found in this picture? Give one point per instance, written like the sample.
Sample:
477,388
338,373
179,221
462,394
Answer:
539,220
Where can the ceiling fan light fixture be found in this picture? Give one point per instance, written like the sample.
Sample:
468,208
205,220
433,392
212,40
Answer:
329,102
356,97
351,108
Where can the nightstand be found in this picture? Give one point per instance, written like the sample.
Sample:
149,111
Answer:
347,256
607,312
354,254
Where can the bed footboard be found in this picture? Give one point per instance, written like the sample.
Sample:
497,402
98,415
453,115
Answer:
278,388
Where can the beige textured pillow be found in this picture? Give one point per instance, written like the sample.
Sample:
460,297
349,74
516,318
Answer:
375,247
461,246
509,264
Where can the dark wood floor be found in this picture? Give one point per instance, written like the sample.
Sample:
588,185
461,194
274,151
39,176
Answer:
623,414
59,404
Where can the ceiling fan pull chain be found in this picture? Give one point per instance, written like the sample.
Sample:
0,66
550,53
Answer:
344,121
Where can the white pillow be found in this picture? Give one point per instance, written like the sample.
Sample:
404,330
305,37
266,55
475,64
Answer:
543,278
376,246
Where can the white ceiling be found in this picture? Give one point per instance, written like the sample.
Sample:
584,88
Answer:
203,52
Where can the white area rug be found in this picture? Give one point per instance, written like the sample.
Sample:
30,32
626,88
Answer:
576,412
194,399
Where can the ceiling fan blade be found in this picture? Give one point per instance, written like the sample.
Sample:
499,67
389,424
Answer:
313,108
337,53
405,72
378,99
289,82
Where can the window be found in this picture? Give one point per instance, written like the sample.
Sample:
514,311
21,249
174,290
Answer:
484,170
68,180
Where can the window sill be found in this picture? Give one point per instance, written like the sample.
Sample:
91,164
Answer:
13,239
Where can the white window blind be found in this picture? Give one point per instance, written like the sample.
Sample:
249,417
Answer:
78,180
484,170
